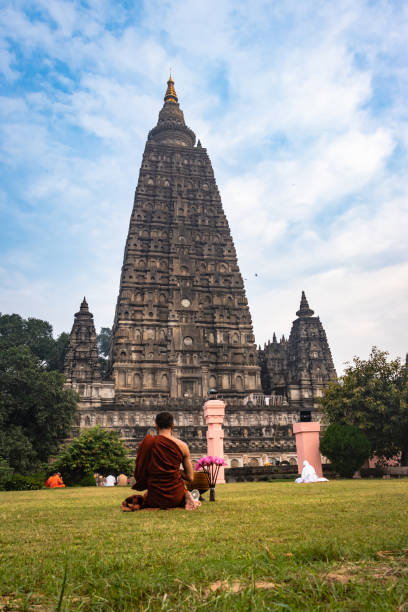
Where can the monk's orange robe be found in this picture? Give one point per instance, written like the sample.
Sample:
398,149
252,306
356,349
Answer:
55,482
157,469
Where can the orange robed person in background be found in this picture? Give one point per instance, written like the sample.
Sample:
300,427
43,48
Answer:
55,482
157,469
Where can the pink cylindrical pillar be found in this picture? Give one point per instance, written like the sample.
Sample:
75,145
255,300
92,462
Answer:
307,445
214,411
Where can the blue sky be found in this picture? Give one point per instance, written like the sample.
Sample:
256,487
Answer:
301,106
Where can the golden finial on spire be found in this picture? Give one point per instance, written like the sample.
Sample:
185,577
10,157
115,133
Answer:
171,95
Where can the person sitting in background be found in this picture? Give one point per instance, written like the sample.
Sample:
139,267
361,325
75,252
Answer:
55,482
157,469
100,480
122,480
309,474
110,481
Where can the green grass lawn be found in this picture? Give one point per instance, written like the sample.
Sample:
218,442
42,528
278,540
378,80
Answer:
341,545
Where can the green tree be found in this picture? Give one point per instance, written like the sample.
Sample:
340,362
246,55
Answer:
6,472
36,412
347,448
95,450
36,334
103,340
373,396
56,358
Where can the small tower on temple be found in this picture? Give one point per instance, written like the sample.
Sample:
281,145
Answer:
83,373
298,368
81,360
310,363
273,361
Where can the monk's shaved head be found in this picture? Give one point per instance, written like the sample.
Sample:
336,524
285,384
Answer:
164,420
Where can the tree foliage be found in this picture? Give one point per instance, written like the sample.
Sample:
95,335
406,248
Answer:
373,396
36,412
37,336
56,357
103,340
95,450
6,472
346,447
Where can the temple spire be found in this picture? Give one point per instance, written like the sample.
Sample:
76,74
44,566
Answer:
171,128
171,95
81,360
304,310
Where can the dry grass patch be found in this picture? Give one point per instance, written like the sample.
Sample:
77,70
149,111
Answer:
236,586
36,602
394,569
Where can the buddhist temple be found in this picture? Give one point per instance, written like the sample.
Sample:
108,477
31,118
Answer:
182,324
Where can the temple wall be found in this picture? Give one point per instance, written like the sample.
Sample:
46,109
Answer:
252,435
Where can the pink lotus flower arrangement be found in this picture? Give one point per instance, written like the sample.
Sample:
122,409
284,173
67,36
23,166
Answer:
211,467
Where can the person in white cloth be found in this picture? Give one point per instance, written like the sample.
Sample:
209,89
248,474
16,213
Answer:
110,481
309,474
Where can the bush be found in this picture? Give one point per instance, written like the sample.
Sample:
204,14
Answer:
76,479
20,482
95,450
87,481
375,472
6,472
346,447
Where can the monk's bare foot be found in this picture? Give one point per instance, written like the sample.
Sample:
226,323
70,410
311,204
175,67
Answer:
191,504
130,507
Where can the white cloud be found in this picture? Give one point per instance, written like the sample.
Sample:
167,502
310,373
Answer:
309,159
62,13
358,309
7,60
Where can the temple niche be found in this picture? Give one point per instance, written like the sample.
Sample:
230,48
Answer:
182,324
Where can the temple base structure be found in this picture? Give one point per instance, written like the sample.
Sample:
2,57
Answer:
214,411
307,445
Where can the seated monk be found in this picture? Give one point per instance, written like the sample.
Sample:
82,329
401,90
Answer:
157,469
55,482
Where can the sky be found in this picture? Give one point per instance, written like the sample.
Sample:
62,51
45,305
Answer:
302,108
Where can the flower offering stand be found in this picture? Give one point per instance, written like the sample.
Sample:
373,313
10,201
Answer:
214,412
